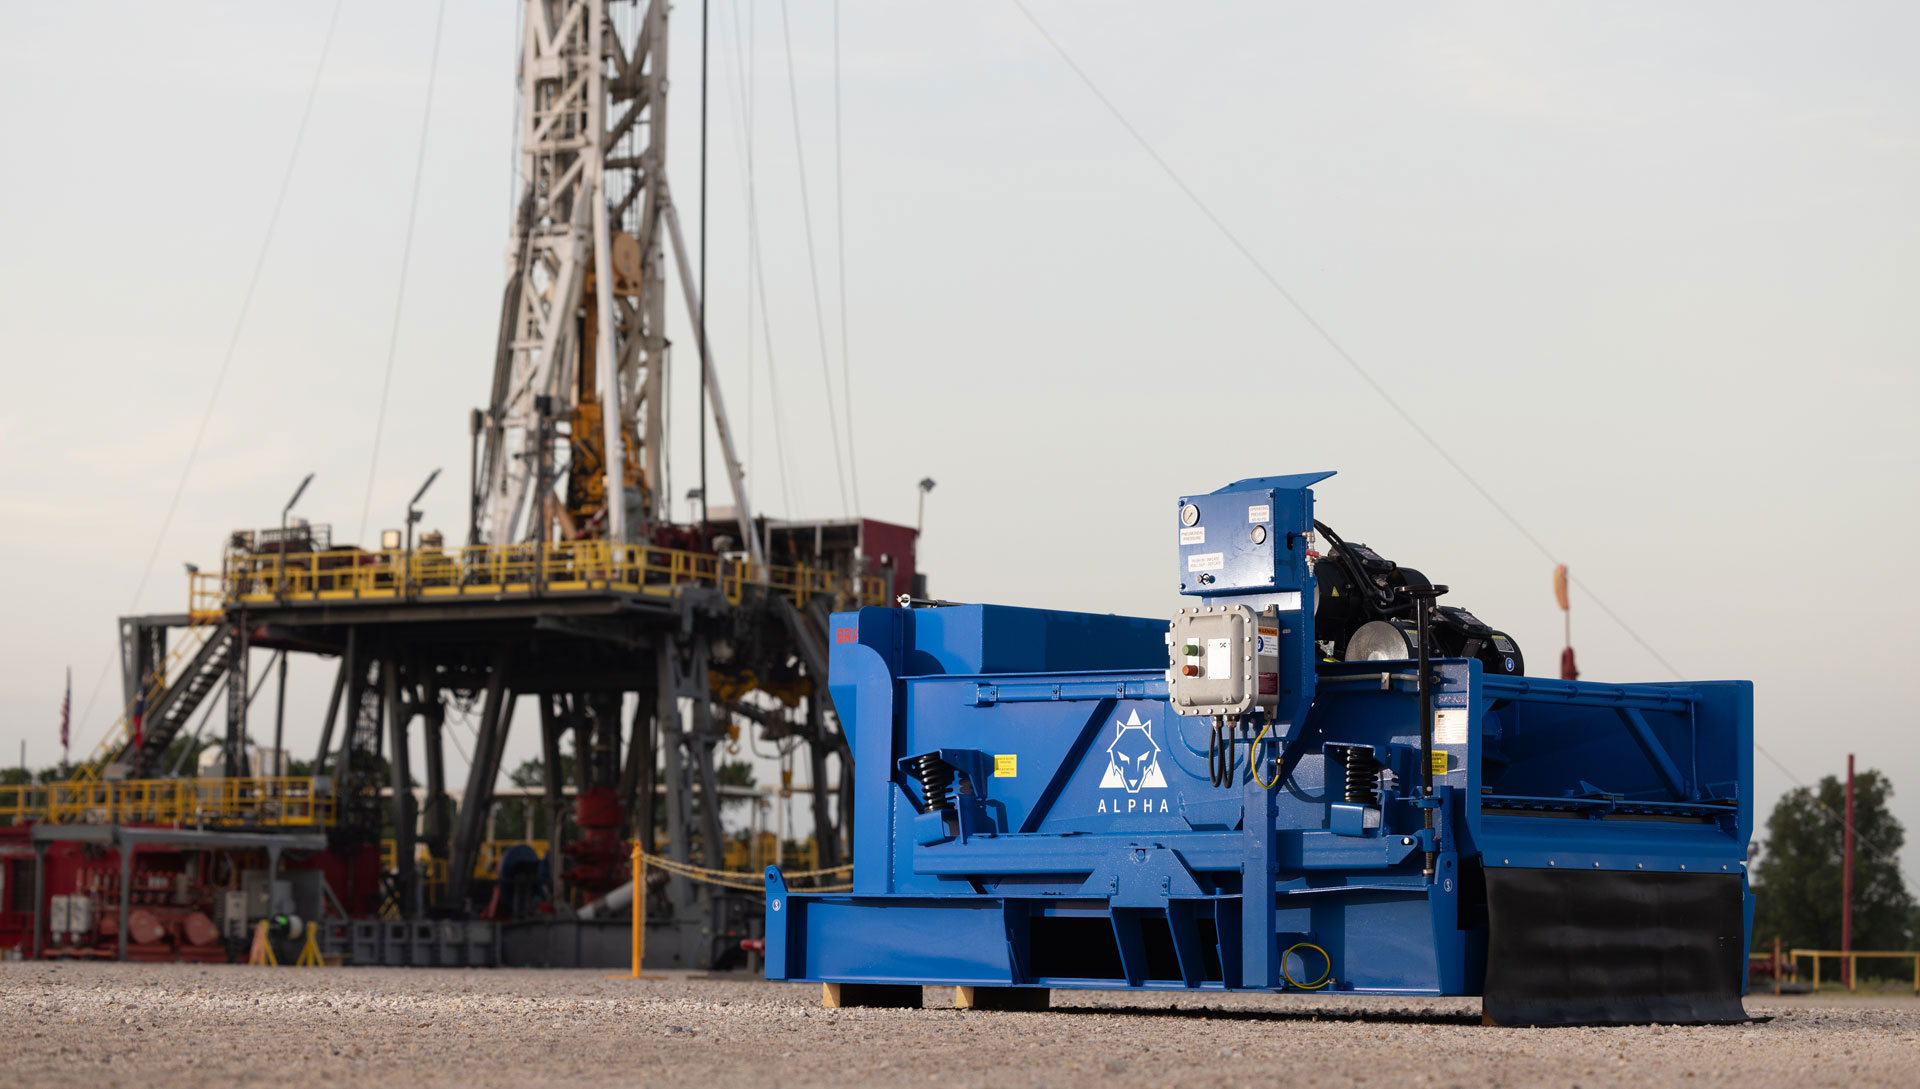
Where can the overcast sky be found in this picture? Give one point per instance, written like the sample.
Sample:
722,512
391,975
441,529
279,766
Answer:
1647,271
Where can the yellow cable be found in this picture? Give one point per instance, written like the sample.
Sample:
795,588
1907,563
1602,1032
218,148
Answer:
1253,761
1325,978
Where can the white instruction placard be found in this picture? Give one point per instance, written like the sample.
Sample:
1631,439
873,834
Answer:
1259,512
1193,535
1206,561
1450,726
1219,658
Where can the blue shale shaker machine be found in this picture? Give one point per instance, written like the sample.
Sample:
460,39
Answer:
1315,779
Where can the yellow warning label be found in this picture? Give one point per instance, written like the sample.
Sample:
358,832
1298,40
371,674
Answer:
1440,762
1006,765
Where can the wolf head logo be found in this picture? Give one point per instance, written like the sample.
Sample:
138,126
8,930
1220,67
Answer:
1133,757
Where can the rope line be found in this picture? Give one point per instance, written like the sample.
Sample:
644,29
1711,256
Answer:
1339,349
840,263
233,339
406,259
1353,364
733,879
813,264
756,272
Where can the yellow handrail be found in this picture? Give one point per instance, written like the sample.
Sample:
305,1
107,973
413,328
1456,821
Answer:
1851,958
264,802
497,570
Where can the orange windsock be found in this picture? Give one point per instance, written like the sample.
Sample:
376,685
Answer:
1560,586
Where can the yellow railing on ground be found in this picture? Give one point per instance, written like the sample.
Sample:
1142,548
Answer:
265,802
1851,960
522,569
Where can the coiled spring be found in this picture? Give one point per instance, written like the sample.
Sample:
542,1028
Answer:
936,781
1363,774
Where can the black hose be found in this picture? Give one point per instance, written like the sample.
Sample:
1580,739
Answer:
1220,759
1383,595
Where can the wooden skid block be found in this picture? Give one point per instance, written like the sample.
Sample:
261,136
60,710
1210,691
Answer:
892,996
1017,999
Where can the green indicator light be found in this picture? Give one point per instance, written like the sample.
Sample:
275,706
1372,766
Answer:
1190,649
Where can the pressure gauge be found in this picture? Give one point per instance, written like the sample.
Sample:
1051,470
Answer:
1189,515
1259,535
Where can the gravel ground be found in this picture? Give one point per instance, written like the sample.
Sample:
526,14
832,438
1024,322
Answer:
157,1026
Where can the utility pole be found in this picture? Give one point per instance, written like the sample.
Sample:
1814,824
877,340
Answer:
1846,884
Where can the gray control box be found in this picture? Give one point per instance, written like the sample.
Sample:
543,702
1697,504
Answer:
1223,660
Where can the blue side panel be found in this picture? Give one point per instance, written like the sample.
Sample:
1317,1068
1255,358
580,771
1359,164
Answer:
963,942
1001,639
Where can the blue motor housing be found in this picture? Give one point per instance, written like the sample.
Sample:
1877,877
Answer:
1031,811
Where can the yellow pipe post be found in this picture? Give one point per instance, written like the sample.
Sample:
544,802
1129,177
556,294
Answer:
639,868
639,871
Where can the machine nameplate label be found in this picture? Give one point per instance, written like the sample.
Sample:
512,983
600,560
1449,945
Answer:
1450,726
1193,536
1219,658
1206,561
1006,765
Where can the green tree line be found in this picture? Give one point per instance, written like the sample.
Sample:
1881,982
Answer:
1799,873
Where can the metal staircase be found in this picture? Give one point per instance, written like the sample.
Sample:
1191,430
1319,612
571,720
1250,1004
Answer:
808,627
169,710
